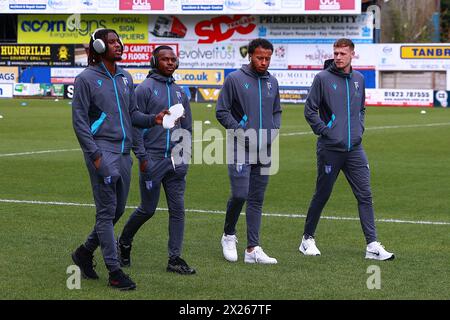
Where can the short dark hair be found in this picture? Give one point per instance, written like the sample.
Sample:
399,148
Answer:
160,48
259,42
343,42
94,57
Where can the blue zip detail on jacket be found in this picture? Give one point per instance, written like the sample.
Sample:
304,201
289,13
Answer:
97,123
243,121
168,130
260,111
348,112
118,105
333,117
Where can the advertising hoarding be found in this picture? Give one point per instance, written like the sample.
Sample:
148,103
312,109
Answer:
64,75
134,55
27,89
9,74
295,78
6,90
183,7
448,79
208,94
36,55
399,97
442,99
193,77
65,29
412,57
277,29
293,95
424,52
333,6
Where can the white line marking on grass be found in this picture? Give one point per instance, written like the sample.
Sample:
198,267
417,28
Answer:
411,126
301,133
36,152
284,215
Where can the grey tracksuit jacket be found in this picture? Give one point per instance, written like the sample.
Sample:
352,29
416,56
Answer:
335,109
249,100
104,111
155,94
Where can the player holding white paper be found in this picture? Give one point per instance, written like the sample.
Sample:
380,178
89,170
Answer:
175,113
165,164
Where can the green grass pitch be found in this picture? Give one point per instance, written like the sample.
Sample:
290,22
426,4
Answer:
409,155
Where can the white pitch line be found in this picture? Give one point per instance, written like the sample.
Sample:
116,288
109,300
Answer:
36,152
301,133
284,215
411,126
309,132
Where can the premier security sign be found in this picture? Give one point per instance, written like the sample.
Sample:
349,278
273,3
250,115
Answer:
36,55
277,29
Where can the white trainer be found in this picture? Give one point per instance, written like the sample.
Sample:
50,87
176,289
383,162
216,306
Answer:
258,256
308,247
229,247
376,251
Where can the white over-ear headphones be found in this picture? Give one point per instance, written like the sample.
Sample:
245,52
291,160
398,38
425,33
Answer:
99,45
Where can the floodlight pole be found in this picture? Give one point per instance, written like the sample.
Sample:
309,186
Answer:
436,19
376,11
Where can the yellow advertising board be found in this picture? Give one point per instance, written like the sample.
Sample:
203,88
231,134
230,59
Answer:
138,75
425,52
77,29
9,74
194,77
208,94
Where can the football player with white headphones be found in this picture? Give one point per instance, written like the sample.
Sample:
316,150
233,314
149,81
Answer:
166,165
104,111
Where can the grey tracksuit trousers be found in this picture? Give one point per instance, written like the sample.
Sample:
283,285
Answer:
159,172
355,166
247,185
110,186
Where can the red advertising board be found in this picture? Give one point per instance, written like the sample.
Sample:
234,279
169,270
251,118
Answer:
330,5
141,5
140,54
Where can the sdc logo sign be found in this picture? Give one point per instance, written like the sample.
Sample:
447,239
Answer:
211,31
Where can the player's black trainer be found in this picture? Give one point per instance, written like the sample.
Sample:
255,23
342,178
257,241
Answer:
84,259
180,266
119,280
124,253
